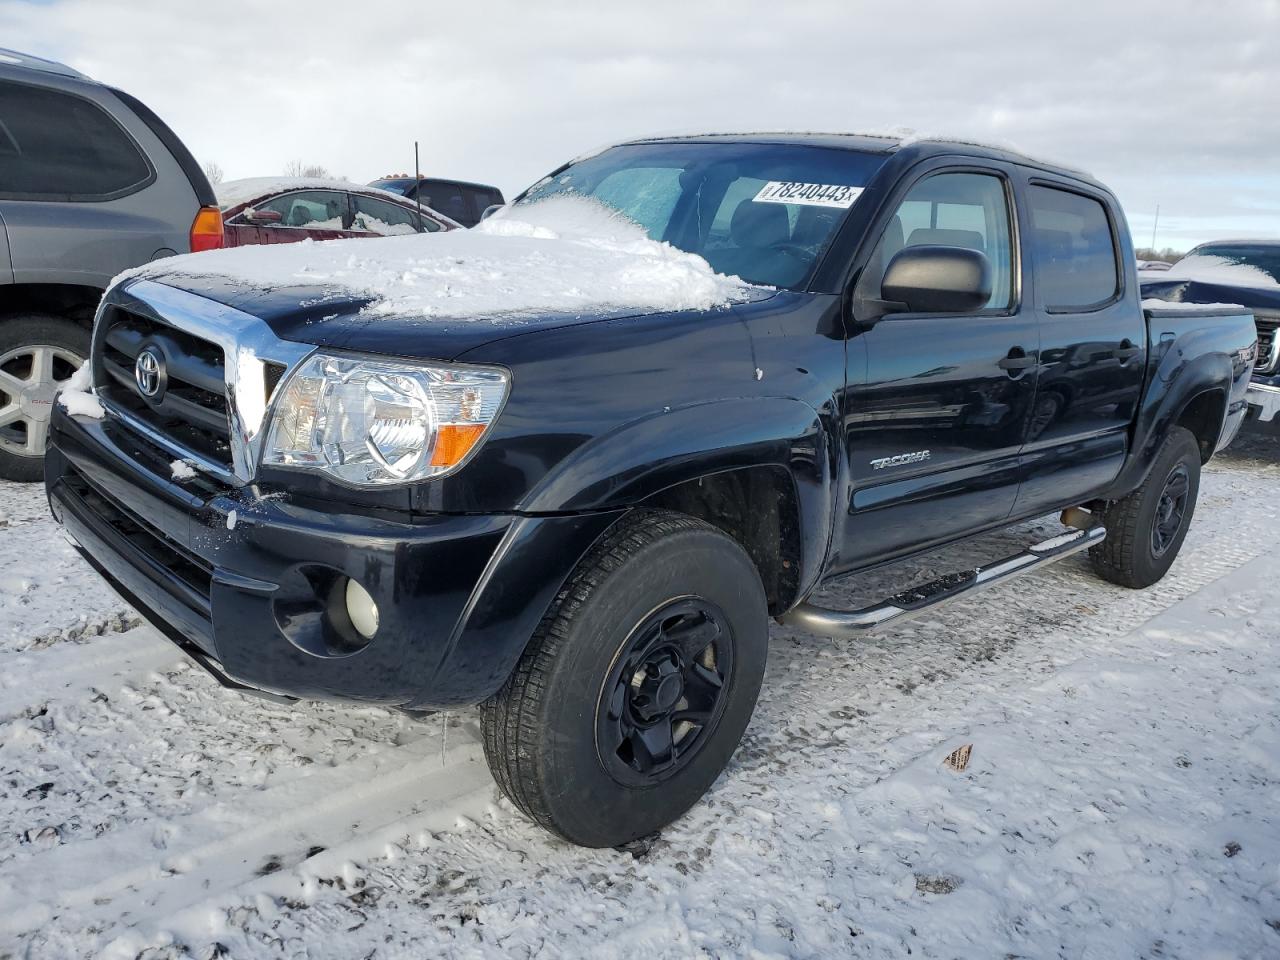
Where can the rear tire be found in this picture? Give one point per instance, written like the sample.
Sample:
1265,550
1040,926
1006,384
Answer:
637,686
38,352
1145,530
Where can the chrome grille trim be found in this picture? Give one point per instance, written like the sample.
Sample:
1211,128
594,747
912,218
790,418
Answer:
248,345
1268,343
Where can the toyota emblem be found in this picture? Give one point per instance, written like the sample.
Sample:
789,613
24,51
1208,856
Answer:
148,371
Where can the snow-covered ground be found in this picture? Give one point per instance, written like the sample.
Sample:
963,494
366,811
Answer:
1120,800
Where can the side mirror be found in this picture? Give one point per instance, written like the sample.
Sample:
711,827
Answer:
936,279
490,210
263,216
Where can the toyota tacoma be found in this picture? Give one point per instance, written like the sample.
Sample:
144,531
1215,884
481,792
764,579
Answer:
579,508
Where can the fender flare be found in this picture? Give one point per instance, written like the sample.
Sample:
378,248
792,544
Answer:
564,517
620,469
1175,382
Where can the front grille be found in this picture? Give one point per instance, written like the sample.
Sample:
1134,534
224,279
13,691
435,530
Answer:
1268,359
191,407
193,572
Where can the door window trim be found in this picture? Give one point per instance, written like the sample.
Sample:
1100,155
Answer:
939,166
1121,275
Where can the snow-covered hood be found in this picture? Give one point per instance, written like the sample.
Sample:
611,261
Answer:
1209,279
561,261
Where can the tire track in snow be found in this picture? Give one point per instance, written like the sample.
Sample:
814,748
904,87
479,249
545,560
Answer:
66,671
167,871
167,866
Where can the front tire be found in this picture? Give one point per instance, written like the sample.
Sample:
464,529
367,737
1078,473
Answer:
637,686
1145,530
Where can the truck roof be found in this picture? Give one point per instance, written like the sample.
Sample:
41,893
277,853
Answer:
25,60
875,142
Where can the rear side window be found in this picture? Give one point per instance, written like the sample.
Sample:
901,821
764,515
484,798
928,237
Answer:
482,200
58,146
387,219
445,197
1075,250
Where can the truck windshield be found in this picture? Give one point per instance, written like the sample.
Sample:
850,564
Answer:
764,212
1261,256
401,187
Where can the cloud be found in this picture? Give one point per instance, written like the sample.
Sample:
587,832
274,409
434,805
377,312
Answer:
1171,103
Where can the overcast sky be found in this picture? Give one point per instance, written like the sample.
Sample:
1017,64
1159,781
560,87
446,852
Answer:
1170,103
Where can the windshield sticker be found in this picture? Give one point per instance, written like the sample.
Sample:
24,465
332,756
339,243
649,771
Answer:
808,194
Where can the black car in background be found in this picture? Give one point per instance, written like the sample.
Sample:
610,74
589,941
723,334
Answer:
457,199
1244,272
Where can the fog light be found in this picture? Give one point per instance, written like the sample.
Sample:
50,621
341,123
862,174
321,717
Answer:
362,610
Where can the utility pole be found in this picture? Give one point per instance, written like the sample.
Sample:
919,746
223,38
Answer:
1154,227
417,185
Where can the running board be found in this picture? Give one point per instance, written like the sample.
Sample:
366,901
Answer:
845,624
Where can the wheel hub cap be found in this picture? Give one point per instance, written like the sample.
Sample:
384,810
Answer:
30,378
666,692
1170,510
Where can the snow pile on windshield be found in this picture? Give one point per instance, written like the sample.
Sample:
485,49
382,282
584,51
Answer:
1220,270
565,254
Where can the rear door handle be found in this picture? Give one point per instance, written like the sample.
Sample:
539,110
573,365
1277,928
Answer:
1126,351
1017,359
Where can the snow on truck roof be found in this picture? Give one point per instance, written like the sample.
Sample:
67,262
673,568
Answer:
565,254
875,141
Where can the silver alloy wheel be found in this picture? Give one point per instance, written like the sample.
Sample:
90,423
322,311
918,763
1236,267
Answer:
30,378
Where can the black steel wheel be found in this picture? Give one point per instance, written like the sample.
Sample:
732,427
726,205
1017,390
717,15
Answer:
1171,510
1145,530
636,689
666,694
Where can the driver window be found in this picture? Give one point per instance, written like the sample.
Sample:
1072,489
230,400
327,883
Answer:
953,210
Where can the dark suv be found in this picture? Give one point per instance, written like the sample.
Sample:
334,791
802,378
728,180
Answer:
91,184
456,199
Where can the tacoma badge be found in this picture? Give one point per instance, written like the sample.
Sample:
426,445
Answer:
915,456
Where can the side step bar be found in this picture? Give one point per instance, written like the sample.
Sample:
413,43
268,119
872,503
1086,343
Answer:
844,624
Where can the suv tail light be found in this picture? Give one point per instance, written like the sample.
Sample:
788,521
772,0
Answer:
206,230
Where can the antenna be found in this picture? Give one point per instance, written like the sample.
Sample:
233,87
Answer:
417,184
1153,230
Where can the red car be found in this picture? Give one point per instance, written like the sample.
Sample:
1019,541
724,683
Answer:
288,209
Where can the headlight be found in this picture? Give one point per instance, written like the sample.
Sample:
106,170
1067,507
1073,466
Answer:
374,422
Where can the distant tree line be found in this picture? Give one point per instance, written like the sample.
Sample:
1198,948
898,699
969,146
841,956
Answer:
1168,254
312,171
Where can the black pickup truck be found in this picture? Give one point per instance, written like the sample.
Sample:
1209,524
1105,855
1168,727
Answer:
582,520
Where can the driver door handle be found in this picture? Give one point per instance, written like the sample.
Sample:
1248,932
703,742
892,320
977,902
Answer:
1126,350
1016,360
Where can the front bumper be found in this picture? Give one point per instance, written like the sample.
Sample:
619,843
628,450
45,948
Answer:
1264,399
244,582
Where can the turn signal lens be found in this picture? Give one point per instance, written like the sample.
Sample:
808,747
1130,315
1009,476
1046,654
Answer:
455,442
206,230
